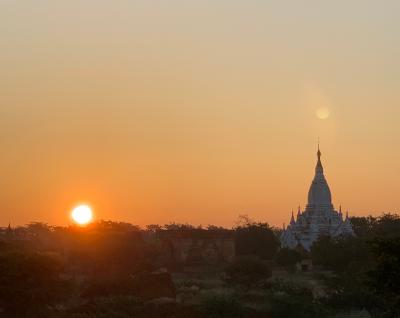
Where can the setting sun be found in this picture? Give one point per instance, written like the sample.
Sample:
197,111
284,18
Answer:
82,214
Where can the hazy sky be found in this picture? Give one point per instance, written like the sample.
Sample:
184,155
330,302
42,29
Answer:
196,111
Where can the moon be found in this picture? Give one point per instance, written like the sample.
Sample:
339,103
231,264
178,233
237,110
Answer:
82,214
323,113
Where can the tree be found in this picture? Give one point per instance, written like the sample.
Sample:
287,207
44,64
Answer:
215,305
257,239
290,299
153,228
110,253
341,253
111,306
287,257
385,277
386,225
30,283
247,272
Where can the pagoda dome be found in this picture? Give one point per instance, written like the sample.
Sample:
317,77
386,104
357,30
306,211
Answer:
319,193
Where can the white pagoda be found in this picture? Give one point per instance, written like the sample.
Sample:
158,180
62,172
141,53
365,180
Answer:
319,218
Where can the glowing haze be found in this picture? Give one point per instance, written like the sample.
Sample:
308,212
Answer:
196,111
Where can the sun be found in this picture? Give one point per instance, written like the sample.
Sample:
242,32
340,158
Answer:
82,214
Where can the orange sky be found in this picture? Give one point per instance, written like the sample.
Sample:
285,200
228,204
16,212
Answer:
196,111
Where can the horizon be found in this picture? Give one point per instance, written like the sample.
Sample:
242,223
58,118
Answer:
195,112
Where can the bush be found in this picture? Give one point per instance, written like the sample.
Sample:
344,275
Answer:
144,285
257,239
289,299
247,272
354,314
350,292
385,277
222,306
287,257
115,306
341,254
31,283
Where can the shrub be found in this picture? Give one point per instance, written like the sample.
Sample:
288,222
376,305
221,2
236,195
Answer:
289,299
114,306
354,314
215,305
31,283
341,254
257,239
287,257
247,272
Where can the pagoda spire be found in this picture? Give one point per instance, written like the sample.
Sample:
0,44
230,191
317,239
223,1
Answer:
319,168
292,218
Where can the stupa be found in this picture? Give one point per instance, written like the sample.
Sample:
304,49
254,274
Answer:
319,218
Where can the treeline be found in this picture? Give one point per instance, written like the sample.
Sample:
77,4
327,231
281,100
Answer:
353,276
112,269
366,267
53,271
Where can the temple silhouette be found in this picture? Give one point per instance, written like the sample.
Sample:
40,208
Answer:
319,218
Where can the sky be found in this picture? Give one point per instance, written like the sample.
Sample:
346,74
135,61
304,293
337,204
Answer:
196,111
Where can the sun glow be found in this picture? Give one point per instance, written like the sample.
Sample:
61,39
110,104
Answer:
82,214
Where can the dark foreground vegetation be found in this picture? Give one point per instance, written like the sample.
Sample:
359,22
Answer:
118,270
